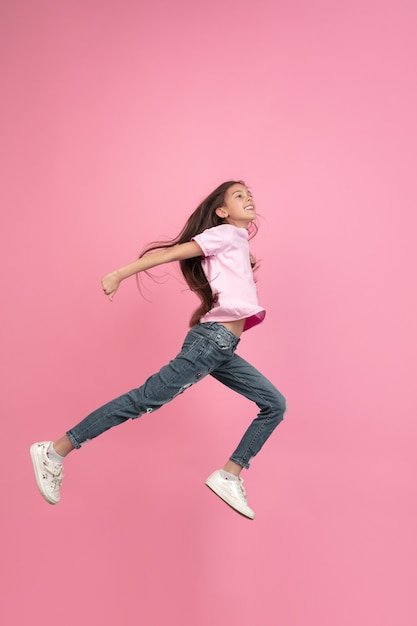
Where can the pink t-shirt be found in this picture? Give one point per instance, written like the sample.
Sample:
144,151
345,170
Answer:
226,263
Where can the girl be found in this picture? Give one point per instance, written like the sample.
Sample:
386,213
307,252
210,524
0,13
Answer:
214,257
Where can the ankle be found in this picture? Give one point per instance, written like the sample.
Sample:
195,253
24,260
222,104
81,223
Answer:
232,468
228,475
53,455
63,446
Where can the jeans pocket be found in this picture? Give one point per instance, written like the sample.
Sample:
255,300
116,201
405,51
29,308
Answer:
222,342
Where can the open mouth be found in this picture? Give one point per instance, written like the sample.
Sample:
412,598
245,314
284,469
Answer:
250,208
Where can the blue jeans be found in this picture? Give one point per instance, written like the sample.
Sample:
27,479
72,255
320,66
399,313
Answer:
208,348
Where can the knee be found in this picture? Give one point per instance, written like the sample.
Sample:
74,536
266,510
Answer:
279,404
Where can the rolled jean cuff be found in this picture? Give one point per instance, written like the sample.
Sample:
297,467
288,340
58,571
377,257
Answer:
73,440
244,464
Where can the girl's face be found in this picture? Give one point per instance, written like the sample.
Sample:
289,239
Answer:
238,208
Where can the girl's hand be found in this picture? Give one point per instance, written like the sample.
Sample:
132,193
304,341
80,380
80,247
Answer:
110,284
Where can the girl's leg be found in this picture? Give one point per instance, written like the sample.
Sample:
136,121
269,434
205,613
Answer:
242,377
198,357
63,446
232,468
205,348
246,380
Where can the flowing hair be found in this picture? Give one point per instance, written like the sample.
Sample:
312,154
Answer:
203,217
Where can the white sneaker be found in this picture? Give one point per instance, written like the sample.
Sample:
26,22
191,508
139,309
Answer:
231,491
48,474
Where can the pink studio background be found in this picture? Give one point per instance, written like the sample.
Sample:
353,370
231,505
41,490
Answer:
118,117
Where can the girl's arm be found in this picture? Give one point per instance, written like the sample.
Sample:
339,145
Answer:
111,282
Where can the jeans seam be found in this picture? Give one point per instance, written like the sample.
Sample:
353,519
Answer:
190,366
265,421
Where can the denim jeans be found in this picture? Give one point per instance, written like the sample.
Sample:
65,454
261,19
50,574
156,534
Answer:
209,348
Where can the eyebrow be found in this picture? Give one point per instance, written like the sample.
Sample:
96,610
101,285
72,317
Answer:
240,191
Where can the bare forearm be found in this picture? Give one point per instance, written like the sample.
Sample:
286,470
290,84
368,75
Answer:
111,282
145,263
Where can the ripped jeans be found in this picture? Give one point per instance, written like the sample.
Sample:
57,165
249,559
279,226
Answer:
209,348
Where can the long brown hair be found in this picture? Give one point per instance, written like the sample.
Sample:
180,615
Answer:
203,217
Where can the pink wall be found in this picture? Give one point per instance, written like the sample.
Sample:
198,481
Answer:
118,117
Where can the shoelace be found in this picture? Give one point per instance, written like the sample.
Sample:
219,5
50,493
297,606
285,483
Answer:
242,489
57,473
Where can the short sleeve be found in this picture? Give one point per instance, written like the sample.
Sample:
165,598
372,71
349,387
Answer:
211,241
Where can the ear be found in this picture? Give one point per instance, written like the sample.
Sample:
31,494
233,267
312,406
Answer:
221,212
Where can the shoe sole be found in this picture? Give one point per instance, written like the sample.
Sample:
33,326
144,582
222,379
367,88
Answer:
38,475
212,487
